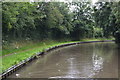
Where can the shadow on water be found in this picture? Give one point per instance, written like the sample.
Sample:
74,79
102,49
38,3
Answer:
91,60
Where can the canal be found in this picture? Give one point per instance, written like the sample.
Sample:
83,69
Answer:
89,60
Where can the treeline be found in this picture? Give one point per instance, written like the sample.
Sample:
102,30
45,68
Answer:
58,20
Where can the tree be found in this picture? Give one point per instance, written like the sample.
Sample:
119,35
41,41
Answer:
102,18
83,21
17,19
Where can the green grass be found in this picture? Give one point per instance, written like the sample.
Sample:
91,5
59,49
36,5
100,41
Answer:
30,50
23,46
98,39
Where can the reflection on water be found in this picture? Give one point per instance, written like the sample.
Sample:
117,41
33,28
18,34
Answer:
72,70
92,60
97,63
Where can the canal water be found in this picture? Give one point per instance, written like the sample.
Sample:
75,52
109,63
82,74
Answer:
89,60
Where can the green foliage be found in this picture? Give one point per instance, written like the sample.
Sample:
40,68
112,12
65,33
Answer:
101,15
98,32
82,21
16,18
116,12
48,20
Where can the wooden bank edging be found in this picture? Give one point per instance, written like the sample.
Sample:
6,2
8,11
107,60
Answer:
14,68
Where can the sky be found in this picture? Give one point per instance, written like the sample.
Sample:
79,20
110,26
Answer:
93,1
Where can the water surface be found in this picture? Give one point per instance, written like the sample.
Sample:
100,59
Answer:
89,60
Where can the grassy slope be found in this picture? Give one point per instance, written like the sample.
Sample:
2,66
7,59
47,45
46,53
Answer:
29,50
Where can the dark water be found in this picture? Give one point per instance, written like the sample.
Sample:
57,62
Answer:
91,60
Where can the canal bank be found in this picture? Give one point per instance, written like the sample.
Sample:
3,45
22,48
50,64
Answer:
22,63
